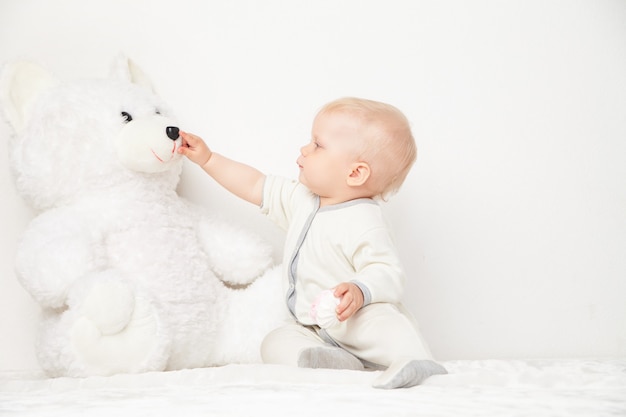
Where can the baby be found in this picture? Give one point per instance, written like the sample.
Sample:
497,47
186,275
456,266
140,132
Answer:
336,239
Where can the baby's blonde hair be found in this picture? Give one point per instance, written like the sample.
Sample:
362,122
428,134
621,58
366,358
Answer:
387,144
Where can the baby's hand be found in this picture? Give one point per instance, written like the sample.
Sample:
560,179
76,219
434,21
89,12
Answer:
351,300
194,148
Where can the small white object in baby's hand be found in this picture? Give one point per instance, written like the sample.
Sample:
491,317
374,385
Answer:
323,309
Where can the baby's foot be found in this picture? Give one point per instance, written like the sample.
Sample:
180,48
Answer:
408,373
329,358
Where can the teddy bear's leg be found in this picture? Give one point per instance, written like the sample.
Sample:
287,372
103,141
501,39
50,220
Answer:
112,328
251,313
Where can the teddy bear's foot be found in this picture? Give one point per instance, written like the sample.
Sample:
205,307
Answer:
133,349
109,306
116,331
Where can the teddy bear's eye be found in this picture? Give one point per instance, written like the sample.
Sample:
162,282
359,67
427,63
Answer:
127,117
157,112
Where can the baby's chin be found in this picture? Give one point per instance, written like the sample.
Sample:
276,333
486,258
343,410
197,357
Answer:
317,190
302,178
308,185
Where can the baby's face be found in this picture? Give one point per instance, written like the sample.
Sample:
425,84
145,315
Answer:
326,161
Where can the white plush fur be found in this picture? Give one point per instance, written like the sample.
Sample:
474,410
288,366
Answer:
129,276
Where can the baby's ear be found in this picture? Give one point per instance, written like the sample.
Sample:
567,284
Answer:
359,174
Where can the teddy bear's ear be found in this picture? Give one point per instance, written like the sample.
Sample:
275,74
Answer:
127,70
21,84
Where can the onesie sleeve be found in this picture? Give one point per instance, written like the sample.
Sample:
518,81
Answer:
280,196
378,271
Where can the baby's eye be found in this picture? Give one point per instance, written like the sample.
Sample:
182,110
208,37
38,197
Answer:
127,117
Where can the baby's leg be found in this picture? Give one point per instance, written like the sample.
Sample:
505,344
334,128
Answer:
297,345
386,336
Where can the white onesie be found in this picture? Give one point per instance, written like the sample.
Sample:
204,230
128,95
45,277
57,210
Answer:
330,245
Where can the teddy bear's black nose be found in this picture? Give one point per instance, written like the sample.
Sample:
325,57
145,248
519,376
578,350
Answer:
172,132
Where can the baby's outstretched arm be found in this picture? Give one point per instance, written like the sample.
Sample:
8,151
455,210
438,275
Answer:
240,179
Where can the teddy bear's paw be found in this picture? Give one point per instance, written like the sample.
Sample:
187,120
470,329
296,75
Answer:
237,257
139,346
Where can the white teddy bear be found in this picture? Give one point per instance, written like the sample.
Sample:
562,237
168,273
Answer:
130,277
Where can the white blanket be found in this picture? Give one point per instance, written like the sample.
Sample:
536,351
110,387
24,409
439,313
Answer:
486,388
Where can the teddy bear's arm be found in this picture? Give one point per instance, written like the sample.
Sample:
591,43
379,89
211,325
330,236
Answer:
236,256
54,251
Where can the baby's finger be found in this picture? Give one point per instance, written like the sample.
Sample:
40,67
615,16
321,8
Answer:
189,139
347,312
345,302
184,137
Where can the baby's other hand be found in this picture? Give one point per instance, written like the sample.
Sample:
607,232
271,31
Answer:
351,300
194,148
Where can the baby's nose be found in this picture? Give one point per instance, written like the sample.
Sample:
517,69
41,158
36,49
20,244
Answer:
305,149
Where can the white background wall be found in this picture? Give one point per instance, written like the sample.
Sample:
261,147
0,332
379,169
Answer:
512,225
